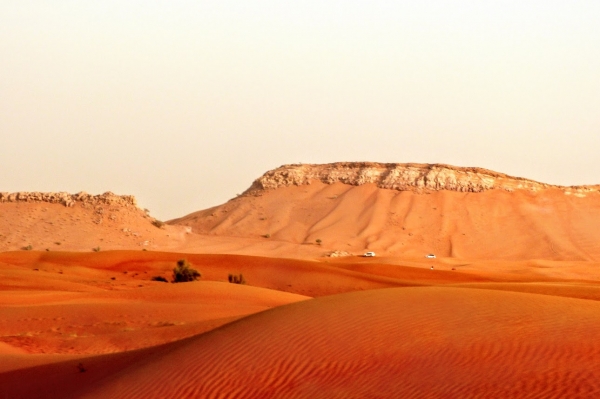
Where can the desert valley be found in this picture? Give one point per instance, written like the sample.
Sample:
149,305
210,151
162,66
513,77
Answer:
482,285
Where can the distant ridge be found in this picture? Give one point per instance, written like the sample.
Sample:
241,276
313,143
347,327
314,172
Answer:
60,221
411,210
69,200
401,177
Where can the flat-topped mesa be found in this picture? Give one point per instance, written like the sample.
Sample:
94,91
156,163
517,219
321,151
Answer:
70,200
401,177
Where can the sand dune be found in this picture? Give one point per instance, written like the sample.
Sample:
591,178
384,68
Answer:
118,270
124,320
401,342
397,342
508,308
86,303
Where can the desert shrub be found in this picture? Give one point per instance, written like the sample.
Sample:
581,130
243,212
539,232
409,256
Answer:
183,272
268,235
158,223
239,279
97,249
27,248
159,278
319,241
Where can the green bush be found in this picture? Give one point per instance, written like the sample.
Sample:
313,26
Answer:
183,272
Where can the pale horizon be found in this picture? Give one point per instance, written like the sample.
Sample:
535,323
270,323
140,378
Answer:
183,104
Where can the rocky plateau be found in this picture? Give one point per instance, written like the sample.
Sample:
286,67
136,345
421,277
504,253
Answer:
402,177
69,200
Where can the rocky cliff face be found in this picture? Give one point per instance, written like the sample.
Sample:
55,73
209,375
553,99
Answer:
402,177
70,200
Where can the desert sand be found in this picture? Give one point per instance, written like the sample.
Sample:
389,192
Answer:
509,307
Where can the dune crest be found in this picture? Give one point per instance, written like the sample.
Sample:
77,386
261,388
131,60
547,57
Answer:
398,342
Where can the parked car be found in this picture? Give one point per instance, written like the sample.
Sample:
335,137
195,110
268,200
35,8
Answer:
369,254
430,256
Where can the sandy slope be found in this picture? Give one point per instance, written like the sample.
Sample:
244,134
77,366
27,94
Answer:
81,227
488,329
494,224
56,228
548,224
401,342
74,303
124,320
509,308
116,270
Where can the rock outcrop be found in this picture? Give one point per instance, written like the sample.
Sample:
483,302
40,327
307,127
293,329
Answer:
402,177
70,200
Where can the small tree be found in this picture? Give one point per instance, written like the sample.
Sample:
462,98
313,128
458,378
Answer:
183,272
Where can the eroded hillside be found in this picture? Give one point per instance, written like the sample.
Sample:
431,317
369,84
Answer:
412,210
76,222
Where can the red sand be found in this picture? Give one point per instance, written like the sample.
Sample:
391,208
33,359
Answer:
511,307
401,342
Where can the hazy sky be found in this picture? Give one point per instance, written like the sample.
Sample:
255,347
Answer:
184,103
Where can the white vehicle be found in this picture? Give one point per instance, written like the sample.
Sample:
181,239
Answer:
430,256
369,254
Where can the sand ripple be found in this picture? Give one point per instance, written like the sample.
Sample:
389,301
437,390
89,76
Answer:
399,342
